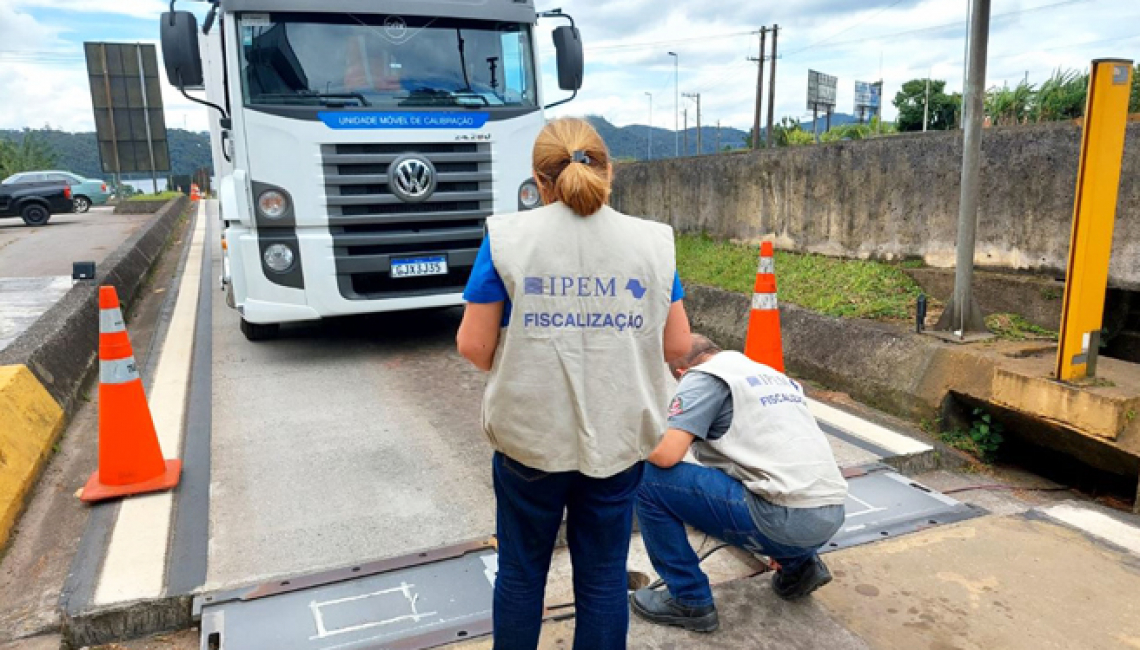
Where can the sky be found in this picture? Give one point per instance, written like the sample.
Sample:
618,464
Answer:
43,79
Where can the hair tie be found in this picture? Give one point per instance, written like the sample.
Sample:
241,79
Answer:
581,157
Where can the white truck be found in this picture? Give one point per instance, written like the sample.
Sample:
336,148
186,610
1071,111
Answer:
361,144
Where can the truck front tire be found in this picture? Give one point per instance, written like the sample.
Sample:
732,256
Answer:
35,214
259,331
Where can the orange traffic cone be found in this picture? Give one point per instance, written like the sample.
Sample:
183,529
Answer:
130,458
195,193
763,343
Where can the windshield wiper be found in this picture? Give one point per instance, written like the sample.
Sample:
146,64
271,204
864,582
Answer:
326,99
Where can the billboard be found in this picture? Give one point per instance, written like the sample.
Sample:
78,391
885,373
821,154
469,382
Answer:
868,96
821,90
127,100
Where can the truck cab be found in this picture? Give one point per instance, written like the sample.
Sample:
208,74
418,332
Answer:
360,146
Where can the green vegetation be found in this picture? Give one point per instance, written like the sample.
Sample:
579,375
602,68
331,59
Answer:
78,152
1130,415
1014,327
982,440
911,101
831,286
28,154
161,196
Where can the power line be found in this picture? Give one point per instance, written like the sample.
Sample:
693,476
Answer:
934,28
632,46
847,29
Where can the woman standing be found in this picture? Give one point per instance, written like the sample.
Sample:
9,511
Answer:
573,308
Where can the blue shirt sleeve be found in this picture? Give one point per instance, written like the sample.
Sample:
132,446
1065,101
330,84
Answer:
485,286
678,288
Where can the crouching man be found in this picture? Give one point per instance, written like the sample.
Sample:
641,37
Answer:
767,483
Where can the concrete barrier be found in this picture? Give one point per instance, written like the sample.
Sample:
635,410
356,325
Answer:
894,198
139,207
44,371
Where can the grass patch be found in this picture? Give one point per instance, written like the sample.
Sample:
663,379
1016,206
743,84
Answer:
828,285
161,196
1014,327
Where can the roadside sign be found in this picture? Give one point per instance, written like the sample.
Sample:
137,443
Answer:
821,90
868,96
127,100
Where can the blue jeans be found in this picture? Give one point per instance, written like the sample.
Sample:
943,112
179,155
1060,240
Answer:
716,504
599,522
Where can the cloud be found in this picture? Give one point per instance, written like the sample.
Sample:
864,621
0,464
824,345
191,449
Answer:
135,8
626,52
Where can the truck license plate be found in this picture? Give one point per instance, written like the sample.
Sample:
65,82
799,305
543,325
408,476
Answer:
410,267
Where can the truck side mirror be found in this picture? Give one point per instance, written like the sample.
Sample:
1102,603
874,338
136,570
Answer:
179,31
571,63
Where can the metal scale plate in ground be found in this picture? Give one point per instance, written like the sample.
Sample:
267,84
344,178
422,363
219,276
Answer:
444,595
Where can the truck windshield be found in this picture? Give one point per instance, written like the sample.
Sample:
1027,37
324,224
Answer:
385,61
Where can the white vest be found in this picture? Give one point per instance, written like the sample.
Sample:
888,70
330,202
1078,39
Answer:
774,445
579,381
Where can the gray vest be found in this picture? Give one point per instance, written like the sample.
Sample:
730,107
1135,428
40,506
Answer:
774,445
579,382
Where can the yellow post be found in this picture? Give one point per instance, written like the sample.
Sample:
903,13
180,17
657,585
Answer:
1094,213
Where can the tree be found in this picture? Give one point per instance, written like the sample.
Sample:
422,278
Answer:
29,154
1134,102
783,132
911,100
1061,97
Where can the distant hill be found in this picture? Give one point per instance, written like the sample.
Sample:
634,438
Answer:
630,141
78,152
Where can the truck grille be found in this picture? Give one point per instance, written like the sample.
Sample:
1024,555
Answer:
370,225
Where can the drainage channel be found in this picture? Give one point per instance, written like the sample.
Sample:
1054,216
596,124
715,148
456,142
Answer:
444,595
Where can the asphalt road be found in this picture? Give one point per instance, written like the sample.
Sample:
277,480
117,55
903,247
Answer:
35,263
49,250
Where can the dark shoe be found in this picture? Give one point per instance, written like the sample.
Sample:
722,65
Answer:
659,607
811,575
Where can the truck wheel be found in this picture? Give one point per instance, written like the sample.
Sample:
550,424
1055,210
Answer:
259,331
35,214
82,204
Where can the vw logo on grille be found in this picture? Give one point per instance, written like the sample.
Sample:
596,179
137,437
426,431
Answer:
412,178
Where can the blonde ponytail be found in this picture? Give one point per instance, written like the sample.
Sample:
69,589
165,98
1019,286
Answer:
572,164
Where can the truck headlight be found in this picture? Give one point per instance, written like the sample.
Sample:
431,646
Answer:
278,257
272,204
529,198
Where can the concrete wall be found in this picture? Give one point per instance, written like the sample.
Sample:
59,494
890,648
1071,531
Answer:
894,198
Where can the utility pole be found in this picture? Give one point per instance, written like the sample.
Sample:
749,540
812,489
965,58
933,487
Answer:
685,118
697,97
926,104
649,131
965,63
962,315
676,103
718,136
759,91
772,89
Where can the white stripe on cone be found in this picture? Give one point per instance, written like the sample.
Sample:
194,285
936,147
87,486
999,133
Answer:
118,371
111,321
764,301
767,265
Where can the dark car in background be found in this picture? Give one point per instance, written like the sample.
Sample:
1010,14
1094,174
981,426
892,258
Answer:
85,192
35,202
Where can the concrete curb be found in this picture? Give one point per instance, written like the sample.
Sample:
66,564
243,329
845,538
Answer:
140,207
32,423
876,364
44,371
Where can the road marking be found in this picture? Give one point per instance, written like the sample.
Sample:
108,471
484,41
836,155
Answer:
1097,524
896,443
135,565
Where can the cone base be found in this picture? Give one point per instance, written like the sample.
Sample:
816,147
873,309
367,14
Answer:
96,491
